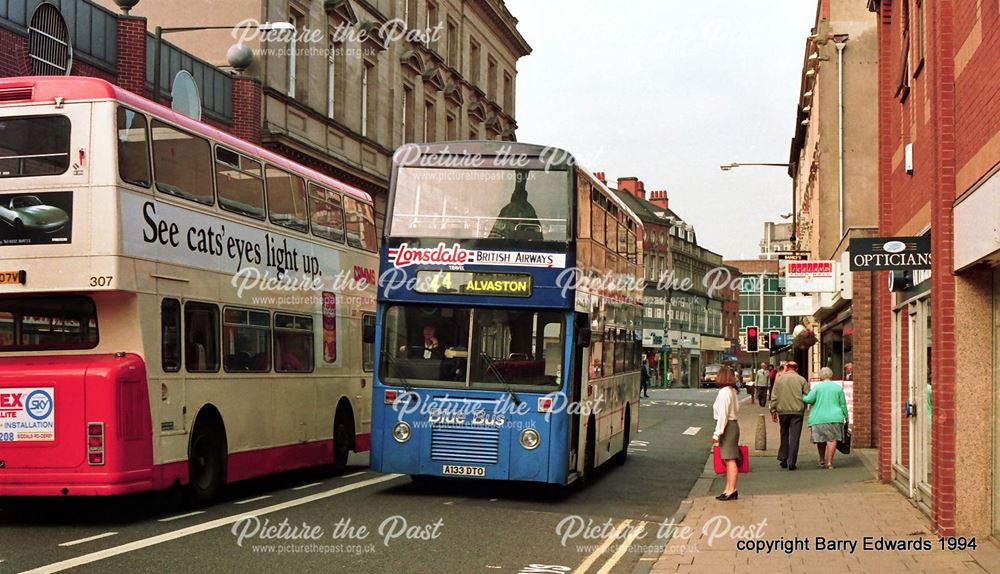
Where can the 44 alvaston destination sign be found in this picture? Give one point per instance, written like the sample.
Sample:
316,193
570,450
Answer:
469,283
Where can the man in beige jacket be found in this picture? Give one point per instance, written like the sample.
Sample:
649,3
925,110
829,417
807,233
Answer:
788,409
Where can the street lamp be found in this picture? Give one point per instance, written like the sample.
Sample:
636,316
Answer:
160,31
730,166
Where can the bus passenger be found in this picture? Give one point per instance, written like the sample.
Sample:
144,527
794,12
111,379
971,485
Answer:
517,219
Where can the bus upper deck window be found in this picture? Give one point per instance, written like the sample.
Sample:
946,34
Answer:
183,164
32,146
241,187
327,210
360,225
286,199
133,148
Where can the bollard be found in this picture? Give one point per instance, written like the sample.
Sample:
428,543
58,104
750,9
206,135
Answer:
760,441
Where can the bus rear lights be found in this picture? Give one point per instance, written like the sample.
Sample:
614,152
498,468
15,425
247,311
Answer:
95,444
390,396
401,432
544,404
530,439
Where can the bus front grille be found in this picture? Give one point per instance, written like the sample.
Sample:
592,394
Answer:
465,444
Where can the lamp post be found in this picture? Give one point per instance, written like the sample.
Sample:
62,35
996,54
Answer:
158,43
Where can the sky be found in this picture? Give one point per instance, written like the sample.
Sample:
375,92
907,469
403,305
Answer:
666,91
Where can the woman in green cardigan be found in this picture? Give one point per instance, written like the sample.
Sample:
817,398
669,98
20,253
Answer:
827,416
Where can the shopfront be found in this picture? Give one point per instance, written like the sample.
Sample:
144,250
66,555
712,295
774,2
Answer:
911,390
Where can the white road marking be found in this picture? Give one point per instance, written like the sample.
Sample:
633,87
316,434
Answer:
353,474
622,548
305,486
88,539
178,517
195,529
249,500
638,443
692,431
586,564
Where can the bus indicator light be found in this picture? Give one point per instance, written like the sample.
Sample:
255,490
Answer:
95,444
390,396
544,404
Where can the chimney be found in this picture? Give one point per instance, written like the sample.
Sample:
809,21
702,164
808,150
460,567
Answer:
640,192
601,177
659,198
628,185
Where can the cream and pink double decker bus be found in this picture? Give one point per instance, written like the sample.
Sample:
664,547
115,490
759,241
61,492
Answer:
177,306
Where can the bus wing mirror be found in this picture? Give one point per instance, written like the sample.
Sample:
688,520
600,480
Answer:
583,337
368,333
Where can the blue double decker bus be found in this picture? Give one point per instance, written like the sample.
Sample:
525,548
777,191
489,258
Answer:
508,323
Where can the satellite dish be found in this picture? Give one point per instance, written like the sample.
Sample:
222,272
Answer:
184,96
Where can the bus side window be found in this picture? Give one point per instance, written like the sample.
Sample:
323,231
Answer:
238,179
201,337
360,225
286,199
368,344
183,164
327,210
246,340
293,343
133,148
170,335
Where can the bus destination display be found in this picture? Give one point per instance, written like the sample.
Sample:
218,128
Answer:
471,283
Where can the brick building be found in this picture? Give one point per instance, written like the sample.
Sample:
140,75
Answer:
938,155
834,174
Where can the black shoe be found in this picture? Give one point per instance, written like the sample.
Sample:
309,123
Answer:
734,496
793,467
783,464
721,496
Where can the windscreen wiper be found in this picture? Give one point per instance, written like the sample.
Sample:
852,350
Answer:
392,362
504,381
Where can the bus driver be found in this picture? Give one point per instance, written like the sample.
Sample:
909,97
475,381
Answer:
431,348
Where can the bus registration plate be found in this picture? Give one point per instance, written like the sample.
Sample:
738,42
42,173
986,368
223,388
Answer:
463,470
12,277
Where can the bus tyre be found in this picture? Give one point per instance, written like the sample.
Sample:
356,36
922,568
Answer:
207,462
622,455
341,444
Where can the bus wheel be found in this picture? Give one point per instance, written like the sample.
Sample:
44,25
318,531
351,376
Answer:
343,437
207,462
622,455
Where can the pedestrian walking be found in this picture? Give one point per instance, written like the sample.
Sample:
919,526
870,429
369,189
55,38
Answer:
727,430
788,409
827,416
644,377
762,384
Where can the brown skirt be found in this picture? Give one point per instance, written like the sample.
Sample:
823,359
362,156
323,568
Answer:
729,442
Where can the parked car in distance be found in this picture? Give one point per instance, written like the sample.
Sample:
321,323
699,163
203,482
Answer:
711,372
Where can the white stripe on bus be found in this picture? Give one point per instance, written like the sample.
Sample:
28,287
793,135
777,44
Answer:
197,528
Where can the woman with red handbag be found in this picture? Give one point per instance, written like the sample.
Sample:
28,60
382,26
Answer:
727,429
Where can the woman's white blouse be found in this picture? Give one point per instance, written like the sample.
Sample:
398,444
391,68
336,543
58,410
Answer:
726,408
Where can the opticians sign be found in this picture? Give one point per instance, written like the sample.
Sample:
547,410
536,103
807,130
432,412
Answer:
890,253
810,277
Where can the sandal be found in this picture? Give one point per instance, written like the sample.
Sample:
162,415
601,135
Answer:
821,464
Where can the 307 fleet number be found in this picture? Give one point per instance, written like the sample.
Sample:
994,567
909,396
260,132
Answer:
101,281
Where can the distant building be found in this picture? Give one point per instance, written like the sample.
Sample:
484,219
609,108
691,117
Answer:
761,290
778,238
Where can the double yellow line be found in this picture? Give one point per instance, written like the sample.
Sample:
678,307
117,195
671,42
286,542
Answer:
623,547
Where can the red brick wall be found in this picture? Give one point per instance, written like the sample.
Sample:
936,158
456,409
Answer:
132,54
977,97
247,114
863,319
13,54
83,69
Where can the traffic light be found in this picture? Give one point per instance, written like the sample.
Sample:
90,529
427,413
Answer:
752,339
774,340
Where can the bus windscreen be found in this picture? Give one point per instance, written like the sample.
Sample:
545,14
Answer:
524,205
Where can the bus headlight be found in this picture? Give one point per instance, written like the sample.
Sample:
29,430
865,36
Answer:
401,432
530,439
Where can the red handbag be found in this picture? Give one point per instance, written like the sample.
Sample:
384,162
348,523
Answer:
720,465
